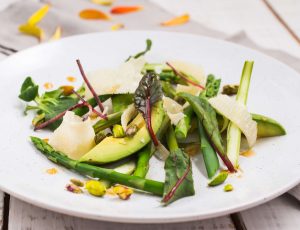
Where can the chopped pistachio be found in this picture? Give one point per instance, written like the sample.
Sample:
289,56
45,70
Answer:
118,131
73,188
95,187
77,182
131,130
219,179
230,89
123,192
228,188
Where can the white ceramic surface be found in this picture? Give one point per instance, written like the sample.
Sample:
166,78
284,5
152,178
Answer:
274,91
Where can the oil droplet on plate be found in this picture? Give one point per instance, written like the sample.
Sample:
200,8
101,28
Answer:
248,153
51,171
71,79
48,85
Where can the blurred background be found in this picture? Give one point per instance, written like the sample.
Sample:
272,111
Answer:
270,24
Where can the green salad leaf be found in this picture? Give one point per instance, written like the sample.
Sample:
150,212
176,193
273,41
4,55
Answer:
179,179
146,95
147,49
47,105
29,90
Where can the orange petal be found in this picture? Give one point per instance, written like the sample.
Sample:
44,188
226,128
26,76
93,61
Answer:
38,15
92,14
32,30
57,33
117,26
177,20
125,9
103,2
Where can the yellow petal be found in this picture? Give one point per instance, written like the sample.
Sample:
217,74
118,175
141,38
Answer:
32,30
38,15
117,26
57,34
177,20
103,2
93,14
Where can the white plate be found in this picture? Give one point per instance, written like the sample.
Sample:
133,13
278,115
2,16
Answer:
274,91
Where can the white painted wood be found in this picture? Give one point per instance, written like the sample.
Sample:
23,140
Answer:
281,213
232,16
26,216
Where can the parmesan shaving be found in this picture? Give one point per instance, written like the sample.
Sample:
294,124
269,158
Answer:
237,113
73,137
123,79
173,109
127,116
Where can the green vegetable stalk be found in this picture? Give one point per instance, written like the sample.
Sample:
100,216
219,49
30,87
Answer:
209,155
144,156
112,119
184,125
233,132
168,89
211,90
150,186
207,115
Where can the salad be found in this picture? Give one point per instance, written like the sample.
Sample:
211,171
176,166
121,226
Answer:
109,128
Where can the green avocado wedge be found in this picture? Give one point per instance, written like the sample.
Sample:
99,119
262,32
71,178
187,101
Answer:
112,149
267,127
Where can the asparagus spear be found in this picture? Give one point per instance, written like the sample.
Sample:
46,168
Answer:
168,89
209,155
183,126
233,132
144,156
151,186
171,140
211,90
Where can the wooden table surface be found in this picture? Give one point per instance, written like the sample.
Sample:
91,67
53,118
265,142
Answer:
251,16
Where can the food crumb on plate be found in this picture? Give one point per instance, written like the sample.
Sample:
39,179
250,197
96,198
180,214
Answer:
52,171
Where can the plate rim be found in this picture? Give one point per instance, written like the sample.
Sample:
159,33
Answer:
173,219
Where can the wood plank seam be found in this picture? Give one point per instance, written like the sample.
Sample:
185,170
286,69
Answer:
282,21
238,221
5,216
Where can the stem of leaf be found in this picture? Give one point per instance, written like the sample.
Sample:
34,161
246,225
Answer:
149,123
89,85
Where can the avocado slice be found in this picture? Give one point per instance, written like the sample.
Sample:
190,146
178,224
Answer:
112,149
267,127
